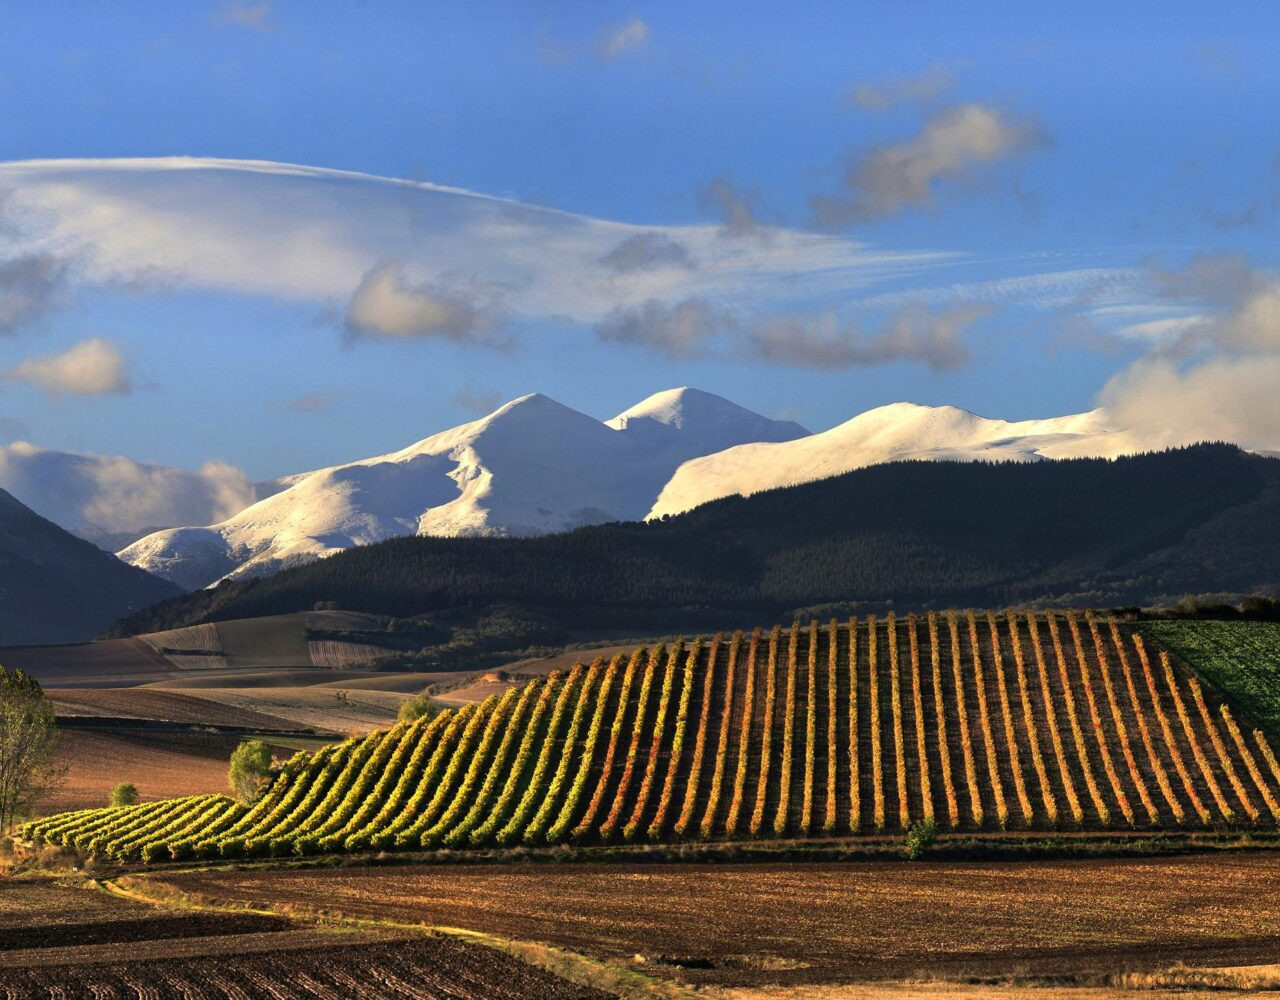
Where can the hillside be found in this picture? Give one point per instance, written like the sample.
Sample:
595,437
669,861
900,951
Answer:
531,467
923,534
897,432
55,587
978,723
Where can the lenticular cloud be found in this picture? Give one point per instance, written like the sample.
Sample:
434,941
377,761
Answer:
306,233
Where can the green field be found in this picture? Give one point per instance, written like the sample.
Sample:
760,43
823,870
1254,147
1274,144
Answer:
1241,660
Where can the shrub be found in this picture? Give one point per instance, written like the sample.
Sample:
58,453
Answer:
250,769
921,836
420,706
124,794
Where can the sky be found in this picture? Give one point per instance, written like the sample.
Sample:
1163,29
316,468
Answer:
1022,211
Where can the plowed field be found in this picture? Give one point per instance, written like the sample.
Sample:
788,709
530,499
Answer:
816,923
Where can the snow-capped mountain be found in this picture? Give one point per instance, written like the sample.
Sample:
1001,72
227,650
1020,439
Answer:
896,432
531,467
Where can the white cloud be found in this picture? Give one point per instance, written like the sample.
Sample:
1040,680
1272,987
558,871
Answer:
314,235
1222,399
95,495
952,143
932,83
619,39
386,305
93,367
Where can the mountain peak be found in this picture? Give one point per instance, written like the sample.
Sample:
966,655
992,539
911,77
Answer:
687,408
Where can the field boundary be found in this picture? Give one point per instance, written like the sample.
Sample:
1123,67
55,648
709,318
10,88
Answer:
960,847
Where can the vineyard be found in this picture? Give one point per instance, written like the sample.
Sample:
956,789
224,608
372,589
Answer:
1039,722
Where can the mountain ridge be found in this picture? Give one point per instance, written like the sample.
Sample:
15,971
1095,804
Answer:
1142,529
533,466
56,587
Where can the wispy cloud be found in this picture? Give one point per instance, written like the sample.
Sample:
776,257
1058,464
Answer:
619,39
255,14
952,144
93,367
913,334
734,206
647,252
404,258
681,330
313,402
935,81
696,327
30,284
477,401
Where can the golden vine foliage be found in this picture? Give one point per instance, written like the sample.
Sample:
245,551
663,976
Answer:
895,698
917,705
1006,714
962,711
1029,721
984,719
944,745
1139,713
1166,729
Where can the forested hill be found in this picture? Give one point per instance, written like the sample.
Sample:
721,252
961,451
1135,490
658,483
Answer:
922,535
55,587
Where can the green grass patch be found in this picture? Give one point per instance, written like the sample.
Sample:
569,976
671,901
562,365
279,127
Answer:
1240,660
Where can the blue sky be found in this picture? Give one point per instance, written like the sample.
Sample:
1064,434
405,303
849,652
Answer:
1074,165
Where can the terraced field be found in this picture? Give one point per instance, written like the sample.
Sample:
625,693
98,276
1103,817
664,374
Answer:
979,723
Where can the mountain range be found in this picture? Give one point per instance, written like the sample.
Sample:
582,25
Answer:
535,467
532,467
1146,529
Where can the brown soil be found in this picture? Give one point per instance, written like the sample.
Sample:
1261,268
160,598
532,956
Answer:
159,764
813,923
414,969
166,706
66,941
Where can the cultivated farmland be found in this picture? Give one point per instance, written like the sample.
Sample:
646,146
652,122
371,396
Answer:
981,723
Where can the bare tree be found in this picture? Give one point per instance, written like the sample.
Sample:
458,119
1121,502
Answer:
28,739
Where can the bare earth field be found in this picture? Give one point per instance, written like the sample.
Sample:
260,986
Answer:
65,941
809,924
160,764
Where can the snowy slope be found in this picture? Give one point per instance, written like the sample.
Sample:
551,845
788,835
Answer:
888,433
531,467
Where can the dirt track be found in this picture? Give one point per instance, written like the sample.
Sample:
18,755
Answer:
745,924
